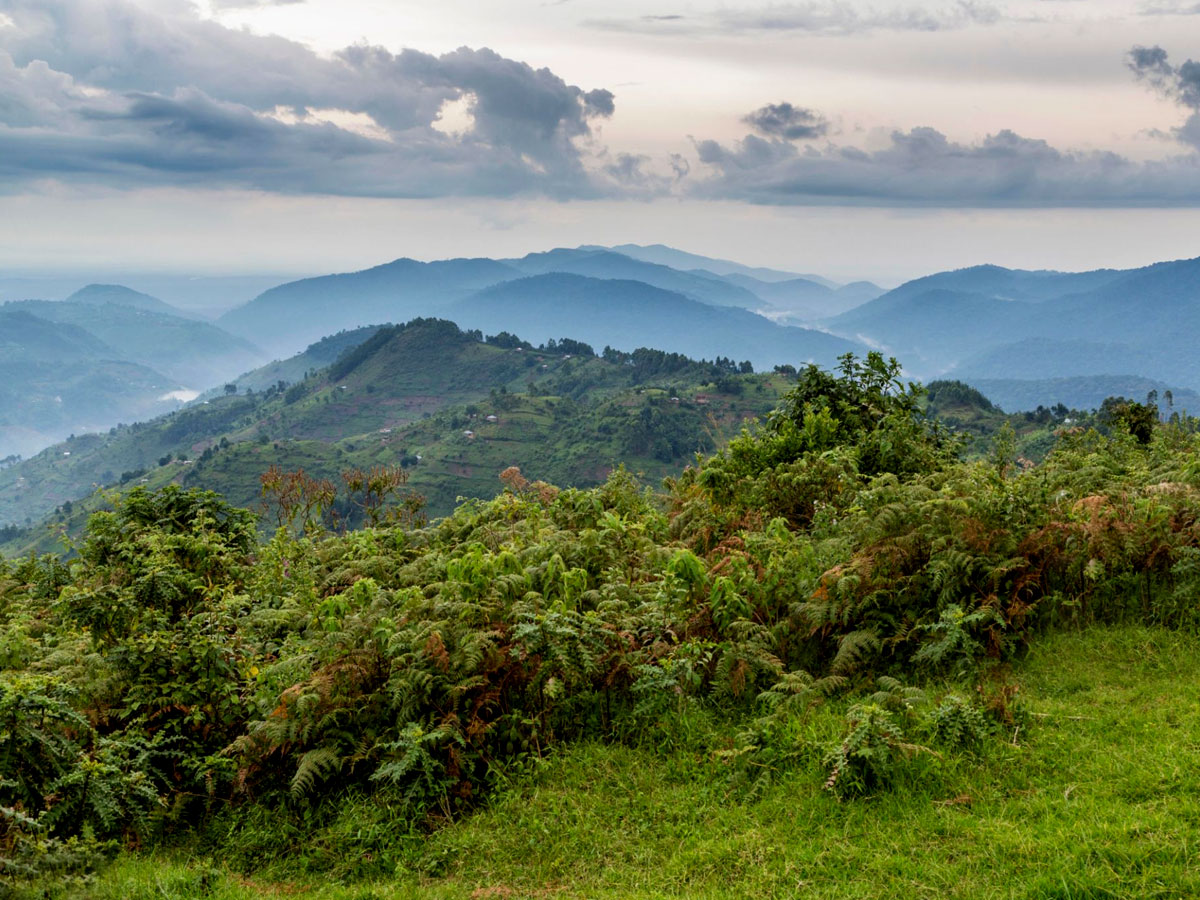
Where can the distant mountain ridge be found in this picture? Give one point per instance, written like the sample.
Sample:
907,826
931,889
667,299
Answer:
109,355
26,337
988,322
57,378
197,353
123,296
684,261
629,314
289,317
704,287
1084,392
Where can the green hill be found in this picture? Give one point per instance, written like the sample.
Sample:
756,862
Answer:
28,337
296,368
415,390
58,379
832,660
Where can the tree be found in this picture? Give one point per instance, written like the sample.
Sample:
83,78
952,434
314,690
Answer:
1137,419
829,430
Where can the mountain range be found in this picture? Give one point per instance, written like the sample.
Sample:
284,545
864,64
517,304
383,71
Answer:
988,323
290,316
109,353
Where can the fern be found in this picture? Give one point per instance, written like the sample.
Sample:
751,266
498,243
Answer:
856,651
797,692
314,766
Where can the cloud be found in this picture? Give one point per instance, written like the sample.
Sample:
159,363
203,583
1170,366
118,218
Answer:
251,4
783,120
1179,83
923,167
107,90
817,17
843,18
1170,9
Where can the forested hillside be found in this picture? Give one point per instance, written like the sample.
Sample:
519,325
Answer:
468,408
57,378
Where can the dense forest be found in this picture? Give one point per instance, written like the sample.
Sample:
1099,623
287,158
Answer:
837,596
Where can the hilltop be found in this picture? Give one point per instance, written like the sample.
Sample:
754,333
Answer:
989,322
123,296
454,408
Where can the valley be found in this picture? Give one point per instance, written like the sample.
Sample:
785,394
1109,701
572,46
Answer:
107,361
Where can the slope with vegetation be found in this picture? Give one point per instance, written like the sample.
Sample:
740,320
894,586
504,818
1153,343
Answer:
830,657
623,313
409,391
108,354
57,378
118,294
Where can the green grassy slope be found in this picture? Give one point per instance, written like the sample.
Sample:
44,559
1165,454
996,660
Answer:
1095,796
296,368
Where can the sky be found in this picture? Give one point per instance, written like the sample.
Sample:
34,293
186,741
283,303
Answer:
880,140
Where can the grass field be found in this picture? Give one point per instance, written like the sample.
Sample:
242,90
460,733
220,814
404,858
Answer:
1094,794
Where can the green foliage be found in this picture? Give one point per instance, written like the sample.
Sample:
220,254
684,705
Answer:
829,433
875,745
1137,419
765,613
958,724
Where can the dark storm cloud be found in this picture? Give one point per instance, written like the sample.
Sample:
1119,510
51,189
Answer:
784,120
1180,83
105,88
